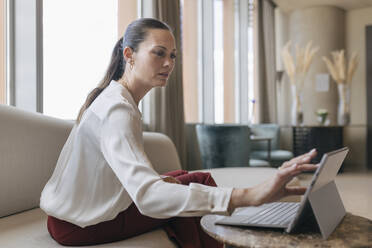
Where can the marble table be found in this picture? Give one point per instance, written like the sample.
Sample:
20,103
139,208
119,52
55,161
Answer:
353,231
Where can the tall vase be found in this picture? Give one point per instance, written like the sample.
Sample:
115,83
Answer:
297,115
343,111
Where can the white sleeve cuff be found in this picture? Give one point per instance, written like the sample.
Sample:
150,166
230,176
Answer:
218,198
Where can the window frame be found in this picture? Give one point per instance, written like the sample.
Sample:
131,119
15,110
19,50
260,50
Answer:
3,54
24,54
236,100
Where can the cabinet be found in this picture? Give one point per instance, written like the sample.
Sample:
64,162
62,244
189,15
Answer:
323,138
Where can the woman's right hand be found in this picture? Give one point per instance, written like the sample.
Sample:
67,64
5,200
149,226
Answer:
276,187
170,179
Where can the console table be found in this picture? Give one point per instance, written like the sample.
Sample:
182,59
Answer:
323,138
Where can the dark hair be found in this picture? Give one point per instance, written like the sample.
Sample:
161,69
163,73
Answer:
135,33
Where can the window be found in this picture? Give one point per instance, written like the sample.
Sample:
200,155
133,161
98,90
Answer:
3,51
251,90
78,38
218,61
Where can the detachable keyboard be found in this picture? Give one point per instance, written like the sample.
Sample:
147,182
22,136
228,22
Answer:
274,215
278,213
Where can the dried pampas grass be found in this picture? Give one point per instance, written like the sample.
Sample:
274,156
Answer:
352,65
337,67
288,62
304,57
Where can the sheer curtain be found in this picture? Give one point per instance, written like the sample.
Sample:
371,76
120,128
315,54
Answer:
266,67
166,112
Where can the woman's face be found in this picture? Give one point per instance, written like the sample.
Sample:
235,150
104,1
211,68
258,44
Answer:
155,58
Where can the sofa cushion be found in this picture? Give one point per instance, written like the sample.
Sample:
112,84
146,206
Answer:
28,229
258,163
275,155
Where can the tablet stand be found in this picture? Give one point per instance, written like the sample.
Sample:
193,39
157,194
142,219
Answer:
327,207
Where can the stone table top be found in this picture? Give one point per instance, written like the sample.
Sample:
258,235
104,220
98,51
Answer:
353,231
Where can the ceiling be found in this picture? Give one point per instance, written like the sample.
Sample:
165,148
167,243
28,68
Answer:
289,5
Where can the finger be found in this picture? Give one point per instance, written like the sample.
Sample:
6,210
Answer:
288,170
297,169
295,190
308,167
301,169
313,153
304,158
286,164
297,160
286,174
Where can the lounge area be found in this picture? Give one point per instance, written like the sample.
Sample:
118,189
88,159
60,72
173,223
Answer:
40,139
255,83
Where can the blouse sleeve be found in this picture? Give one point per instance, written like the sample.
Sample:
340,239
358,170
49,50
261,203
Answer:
122,147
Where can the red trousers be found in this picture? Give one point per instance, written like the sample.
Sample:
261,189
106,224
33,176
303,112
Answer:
184,231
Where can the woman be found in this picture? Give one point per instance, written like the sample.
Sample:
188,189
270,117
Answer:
104,188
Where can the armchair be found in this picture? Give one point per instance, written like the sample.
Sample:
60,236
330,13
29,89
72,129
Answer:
259,149
226,146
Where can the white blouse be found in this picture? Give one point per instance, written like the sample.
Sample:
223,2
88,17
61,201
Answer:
103,168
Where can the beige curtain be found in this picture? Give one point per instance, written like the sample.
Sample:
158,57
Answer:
166,104
266,66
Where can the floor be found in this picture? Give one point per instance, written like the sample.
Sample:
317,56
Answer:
355,190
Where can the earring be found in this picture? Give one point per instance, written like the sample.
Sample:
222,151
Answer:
131,63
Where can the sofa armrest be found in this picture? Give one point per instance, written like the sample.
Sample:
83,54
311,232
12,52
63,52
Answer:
161,152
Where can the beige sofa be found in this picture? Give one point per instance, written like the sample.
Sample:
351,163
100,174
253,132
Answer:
29,147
